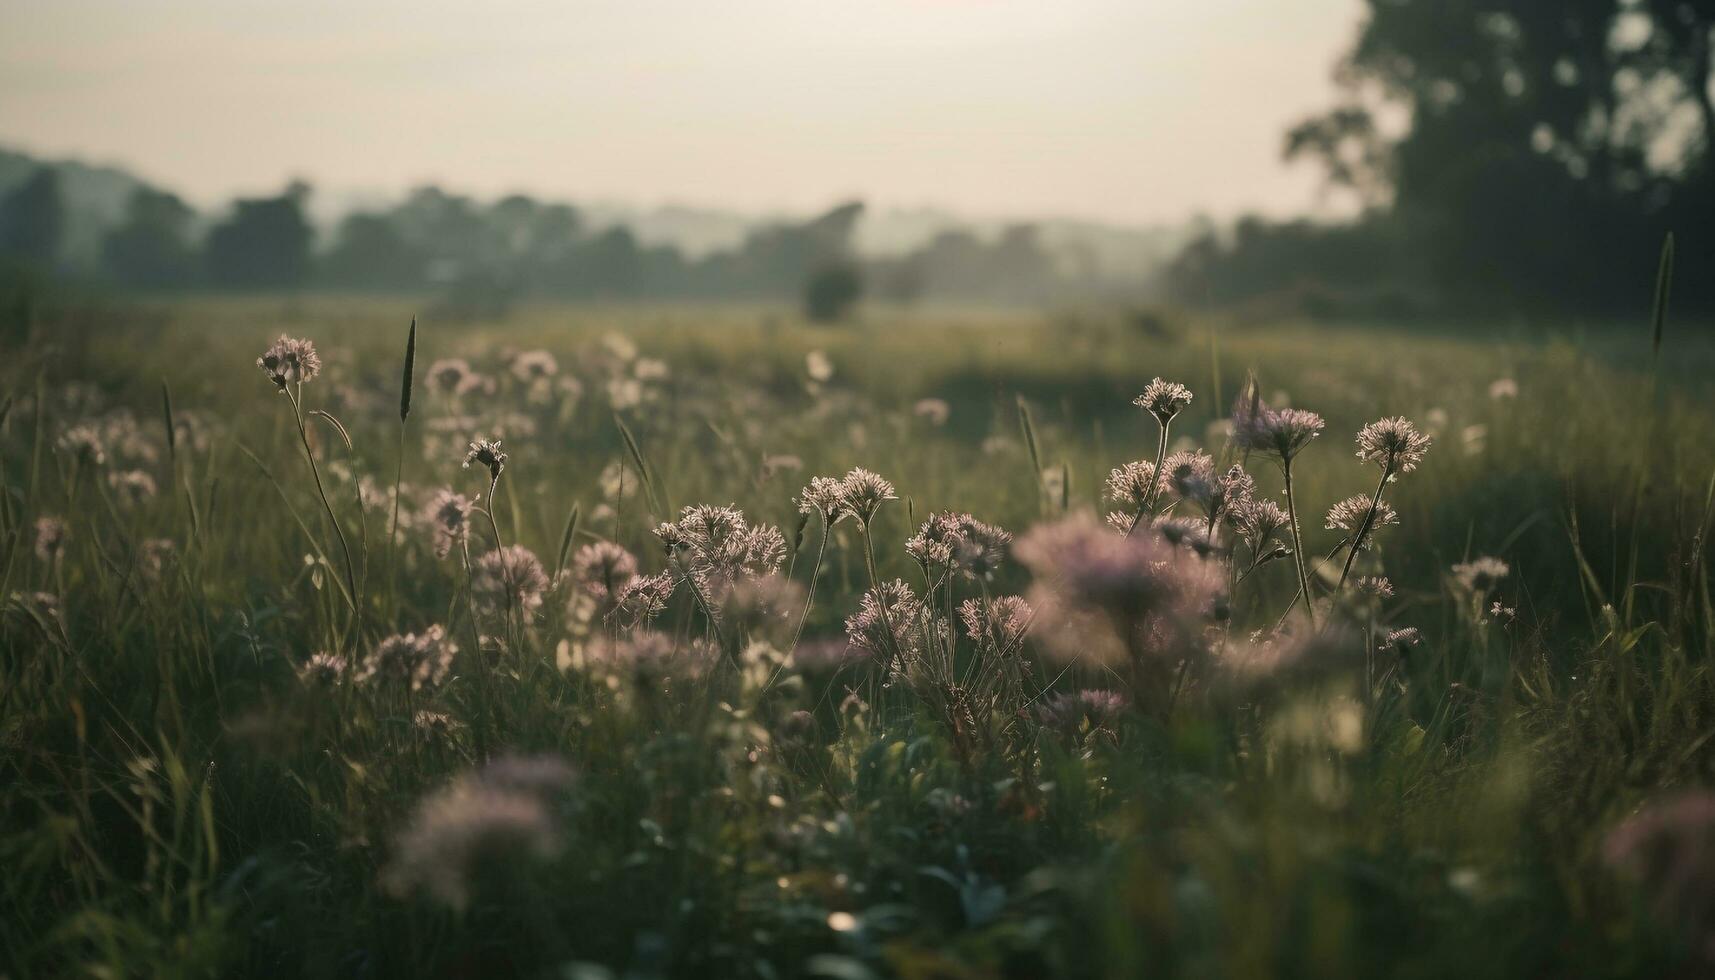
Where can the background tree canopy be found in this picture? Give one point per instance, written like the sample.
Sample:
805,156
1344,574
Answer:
1508,154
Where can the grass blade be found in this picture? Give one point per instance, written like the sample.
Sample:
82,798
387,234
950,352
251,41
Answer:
566,541
410,368
1663,286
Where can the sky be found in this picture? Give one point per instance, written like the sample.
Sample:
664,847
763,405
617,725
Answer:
1124,111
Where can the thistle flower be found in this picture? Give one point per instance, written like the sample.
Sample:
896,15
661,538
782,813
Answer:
999,623
1393,444
1376,587
824,496
1257,521
934,410
83,443
1131,484
1112,598
289,361
533,365
418,659
1163,399
1400,640
509,577
1668,847
1480,576
322,670
1190,475
132,486
50,538
448,514
481,824
1081,714
643,598
602,569
1280,432
885,633
959,541
862,492
488,454
453,376
1352,513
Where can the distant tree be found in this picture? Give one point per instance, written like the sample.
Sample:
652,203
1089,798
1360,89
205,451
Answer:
370,252
832,292
265,244
1547,146
33,220
152,248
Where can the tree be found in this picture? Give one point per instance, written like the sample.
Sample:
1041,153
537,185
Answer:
151,249
1547,146
832,291
265,244
33,220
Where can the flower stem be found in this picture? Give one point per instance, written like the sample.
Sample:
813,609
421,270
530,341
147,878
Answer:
1364,528
315,471
1297,543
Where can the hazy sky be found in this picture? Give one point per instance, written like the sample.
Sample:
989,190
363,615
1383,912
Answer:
1123,110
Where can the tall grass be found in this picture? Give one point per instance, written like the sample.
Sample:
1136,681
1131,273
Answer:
771,776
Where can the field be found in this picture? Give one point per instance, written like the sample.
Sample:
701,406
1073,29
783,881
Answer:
251,729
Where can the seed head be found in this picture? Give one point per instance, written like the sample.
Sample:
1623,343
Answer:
1353,513
50,538
1191,475
322,670
418,659
1130,485
959,541
996,624
824,496
1257,520
290,361
885,633
487,454
1393,444
1164,399
448,514
1280,432
602,569
510,577
1480,576
862,493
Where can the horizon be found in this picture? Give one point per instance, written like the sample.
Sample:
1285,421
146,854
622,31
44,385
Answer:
988,112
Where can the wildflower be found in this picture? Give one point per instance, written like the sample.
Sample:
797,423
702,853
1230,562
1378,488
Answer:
155,556
1112,598
1163,399
624,393
486,454
322,670
1191,475
824,496
435,726
290,361
756,605
1228,491
650,369
1187,532
933,410
1280,432
509,578
534,365
453,376
1375,587
1131,484
1480,576
774,464
1258,521
83,443
620,347
602,569
828,656
643,598
480,824
1668,847
1393,444
50,538
448,514
884,623
133,486
1284,659
418,659
1401,640
650,658
1082,713
959,541
1354,513
1503,388
862,492
818,367
999,623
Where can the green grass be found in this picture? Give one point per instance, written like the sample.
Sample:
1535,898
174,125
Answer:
176,801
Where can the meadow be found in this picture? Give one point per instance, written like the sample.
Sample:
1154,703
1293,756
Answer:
759,648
